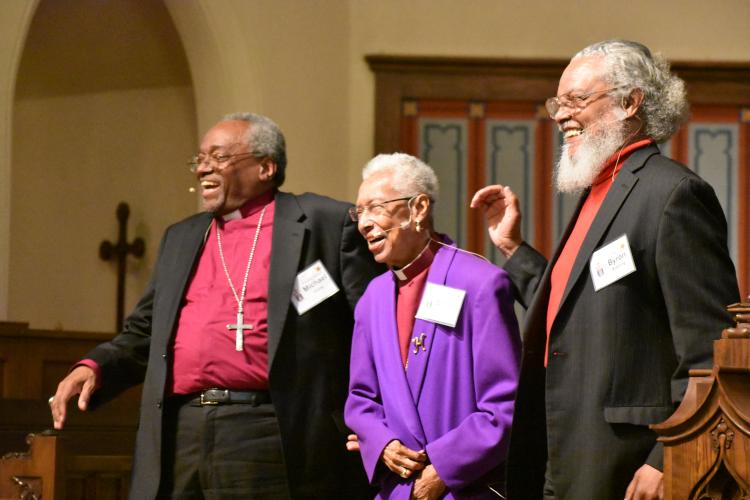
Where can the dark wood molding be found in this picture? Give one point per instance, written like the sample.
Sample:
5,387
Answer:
11,329
471,65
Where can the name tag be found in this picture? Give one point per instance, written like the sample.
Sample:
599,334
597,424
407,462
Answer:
311,287
441,304
611,262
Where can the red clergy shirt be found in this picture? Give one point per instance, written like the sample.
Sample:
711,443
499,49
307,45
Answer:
410,281
564,263
204,354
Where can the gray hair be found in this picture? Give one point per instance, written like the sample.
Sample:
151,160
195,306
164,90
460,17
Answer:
265,140
629,65
411,175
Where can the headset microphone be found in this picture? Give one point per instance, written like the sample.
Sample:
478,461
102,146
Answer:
403,225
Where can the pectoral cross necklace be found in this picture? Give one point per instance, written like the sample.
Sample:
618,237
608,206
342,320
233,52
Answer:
240,326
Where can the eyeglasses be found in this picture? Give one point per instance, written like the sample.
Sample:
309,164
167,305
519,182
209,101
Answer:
375,209
576,103
217,159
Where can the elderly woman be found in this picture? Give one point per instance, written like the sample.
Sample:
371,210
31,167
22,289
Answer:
435,353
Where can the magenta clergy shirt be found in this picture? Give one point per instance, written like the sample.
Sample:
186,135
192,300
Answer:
410,284
204,349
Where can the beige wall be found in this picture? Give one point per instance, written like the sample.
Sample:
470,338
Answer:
75,158
13,26
300,62
301,55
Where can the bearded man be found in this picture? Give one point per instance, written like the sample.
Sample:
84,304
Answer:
633,296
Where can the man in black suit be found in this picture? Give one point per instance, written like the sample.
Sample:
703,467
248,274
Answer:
242,337
634,294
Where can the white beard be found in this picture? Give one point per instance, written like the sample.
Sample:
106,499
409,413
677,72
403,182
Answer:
575,173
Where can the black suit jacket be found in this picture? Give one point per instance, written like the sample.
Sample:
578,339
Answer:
308,354
619,357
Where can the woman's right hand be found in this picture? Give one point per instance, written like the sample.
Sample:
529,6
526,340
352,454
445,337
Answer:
402,460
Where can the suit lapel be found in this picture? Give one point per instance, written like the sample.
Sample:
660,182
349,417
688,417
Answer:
534,330
180,266
393,362
616,196
286,250
418,360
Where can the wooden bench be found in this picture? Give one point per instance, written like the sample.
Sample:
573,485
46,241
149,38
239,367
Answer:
95,447
47,471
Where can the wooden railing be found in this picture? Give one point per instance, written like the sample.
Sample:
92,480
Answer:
97,446
47,471
707,440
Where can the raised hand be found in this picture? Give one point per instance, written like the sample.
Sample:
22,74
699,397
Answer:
503,216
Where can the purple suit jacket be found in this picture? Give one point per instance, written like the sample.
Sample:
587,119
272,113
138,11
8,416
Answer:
455,400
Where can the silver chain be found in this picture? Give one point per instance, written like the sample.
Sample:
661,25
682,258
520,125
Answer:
240,298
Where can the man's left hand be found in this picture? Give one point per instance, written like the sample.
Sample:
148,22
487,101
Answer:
647,484
428,486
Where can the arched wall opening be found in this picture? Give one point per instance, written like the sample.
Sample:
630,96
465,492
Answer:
103,112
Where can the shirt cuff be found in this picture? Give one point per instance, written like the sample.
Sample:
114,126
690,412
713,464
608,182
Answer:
94,366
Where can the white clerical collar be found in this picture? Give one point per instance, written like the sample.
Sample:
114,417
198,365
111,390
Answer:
234,215
251,206
400,274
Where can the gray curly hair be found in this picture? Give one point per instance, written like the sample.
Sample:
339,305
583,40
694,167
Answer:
411,175
629,65
265,140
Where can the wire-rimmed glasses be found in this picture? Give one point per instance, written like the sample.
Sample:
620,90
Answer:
575,102
215,158
375,209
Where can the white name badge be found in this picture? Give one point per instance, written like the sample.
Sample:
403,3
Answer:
311,287
611,262
441,304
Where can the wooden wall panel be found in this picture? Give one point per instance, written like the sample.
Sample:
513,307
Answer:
34,361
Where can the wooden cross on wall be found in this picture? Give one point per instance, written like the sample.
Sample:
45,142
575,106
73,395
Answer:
120,251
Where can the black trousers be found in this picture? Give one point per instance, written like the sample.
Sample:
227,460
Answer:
222,452
548,492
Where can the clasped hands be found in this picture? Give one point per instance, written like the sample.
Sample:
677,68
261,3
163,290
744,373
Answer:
409,463
402,460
